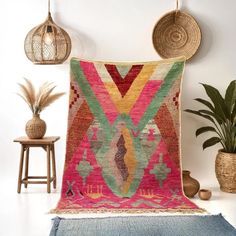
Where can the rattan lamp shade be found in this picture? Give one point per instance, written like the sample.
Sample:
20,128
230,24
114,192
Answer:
47,43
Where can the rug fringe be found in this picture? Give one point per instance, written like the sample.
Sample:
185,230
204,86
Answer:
132,211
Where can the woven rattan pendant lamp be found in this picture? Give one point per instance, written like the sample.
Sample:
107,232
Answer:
47,43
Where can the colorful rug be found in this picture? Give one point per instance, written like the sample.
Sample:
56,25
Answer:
123,149
184,225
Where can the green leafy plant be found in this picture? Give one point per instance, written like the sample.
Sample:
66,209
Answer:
221,112
38,101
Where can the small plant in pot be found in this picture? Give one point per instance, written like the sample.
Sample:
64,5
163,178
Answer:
37,102
221,112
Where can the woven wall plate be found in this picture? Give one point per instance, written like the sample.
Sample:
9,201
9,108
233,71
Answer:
176,34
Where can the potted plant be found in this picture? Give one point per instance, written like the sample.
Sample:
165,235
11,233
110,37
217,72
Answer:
37,102
221,112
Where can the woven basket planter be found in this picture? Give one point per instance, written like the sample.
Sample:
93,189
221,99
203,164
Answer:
35,128
225,168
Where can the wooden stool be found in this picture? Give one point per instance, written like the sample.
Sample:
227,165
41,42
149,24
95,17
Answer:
47,143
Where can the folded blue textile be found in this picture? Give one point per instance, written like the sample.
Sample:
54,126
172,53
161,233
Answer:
184,225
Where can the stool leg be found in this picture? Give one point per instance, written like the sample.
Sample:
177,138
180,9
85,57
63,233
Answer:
21,168
54,167
27,166
48,169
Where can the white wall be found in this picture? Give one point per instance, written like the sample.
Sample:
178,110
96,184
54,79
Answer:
110,30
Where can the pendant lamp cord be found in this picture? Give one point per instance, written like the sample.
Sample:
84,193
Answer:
48,6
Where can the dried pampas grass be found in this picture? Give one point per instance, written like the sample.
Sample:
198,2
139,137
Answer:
38,101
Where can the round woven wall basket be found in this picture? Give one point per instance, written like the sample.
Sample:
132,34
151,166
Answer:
176,34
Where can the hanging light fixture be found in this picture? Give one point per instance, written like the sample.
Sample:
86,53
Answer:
47,43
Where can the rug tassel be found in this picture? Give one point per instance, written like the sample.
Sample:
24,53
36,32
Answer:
130,211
